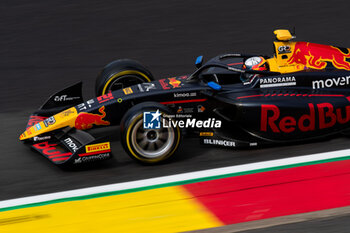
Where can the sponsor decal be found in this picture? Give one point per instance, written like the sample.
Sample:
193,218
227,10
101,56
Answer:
128,91
184,110
146,87
227,143
81,107
326,117
44,138
106,97
277,82
67,112
188,110
69,142
164,85
206,134
253,144
61,98
200,108
119,100
49,121
174,82
33,120
90,102
151,120
316,56
78,160
37,127
182,95
97,147
331,82
87,120
50,150
84,106
284,49
92,158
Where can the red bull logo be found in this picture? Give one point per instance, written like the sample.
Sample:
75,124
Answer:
87,120
316,56
174,82
327,117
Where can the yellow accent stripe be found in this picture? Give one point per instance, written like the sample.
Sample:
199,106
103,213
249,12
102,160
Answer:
169,209
126,72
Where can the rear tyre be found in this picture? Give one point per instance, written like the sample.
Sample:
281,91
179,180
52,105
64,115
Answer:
149,146
120,74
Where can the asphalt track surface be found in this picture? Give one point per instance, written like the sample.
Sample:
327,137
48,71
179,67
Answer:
48,45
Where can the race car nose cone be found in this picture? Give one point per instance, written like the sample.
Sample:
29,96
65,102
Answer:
60,120
22,136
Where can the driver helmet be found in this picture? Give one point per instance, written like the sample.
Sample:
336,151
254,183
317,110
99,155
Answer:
253,63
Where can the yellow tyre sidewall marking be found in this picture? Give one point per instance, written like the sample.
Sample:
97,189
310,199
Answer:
144,159
126,72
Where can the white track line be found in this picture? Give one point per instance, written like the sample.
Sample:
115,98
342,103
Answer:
174,178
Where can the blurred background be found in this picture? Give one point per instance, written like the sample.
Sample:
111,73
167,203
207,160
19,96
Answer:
48,45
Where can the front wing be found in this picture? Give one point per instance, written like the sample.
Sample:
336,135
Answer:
69,146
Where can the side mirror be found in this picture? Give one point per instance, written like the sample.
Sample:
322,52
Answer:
214,86
199,61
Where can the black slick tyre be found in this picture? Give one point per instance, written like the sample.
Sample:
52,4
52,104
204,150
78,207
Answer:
120,74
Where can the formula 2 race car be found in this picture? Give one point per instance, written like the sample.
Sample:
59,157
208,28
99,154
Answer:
303,95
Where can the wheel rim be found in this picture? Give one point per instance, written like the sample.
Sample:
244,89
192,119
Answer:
152,143
123,82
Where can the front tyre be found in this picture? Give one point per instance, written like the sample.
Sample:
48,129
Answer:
120,74
149,146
